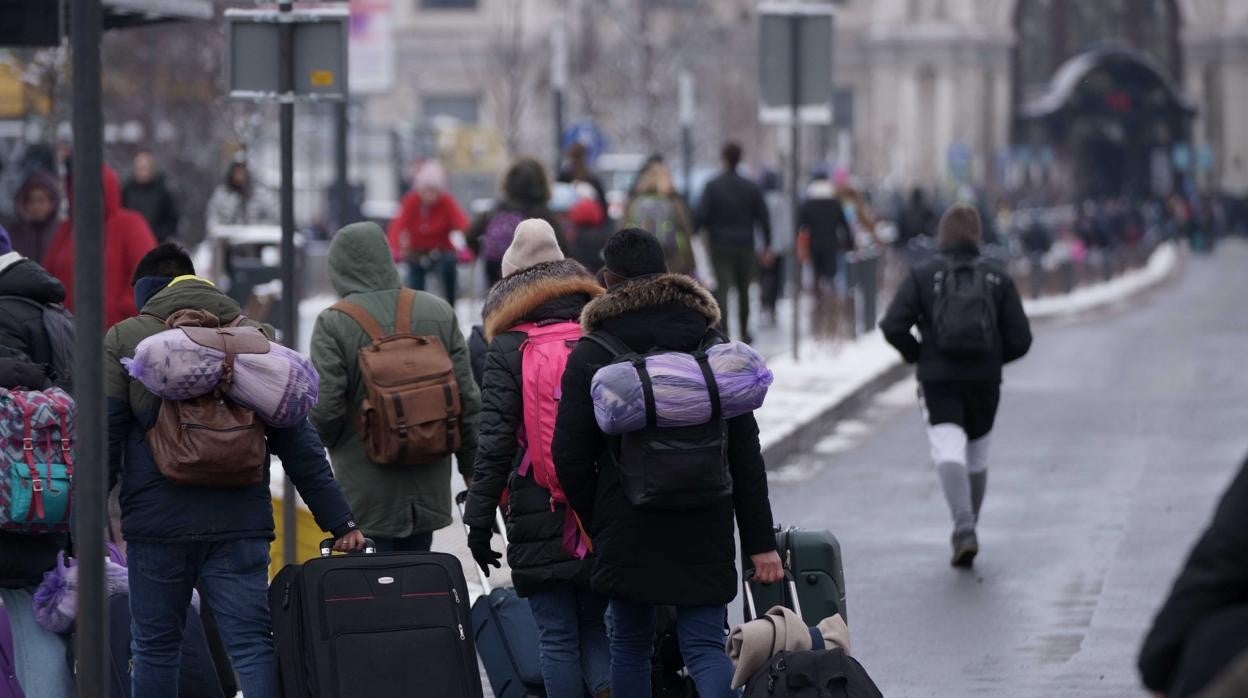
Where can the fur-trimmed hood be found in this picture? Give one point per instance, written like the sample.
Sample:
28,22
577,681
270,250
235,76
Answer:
518,296
648,292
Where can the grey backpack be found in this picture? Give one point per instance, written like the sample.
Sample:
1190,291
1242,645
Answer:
58,324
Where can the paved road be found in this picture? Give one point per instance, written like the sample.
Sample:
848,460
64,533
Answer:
1116,435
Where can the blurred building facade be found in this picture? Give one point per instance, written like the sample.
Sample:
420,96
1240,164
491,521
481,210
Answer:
930,92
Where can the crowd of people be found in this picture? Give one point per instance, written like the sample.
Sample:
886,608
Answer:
601,544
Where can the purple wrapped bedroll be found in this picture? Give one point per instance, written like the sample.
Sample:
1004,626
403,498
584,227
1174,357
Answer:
280,385
680,394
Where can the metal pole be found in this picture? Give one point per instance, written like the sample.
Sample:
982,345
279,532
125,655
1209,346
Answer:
91,476
685,82
342,192
290,293
558,82
795,273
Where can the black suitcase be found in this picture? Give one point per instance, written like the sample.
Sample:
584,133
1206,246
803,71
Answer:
505,633
814,560
374,626
197,677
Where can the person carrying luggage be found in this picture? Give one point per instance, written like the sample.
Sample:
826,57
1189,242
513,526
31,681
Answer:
181,535
971,322
677,548
525,194
532,321
384,346
28,361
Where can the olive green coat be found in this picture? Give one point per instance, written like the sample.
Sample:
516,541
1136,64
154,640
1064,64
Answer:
388,501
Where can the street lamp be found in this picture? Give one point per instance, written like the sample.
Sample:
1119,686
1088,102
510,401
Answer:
558,82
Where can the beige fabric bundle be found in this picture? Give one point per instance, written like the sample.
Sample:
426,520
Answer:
752,644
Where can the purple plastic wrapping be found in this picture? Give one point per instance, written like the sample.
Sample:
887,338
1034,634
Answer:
281,385
680,395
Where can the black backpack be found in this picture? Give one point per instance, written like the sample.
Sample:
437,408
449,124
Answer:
58,324
964,314
672,468
812,674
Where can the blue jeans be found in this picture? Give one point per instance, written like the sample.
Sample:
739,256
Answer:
572,633
39,656
233,577
700,630
442,263
415,543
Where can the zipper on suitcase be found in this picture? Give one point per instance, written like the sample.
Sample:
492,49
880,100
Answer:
461,631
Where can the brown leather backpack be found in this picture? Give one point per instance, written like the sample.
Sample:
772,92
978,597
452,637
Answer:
412,412
211,441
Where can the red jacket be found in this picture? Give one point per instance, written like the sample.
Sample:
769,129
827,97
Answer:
422,228
126,239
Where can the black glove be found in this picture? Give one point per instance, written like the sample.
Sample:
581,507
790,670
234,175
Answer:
479,545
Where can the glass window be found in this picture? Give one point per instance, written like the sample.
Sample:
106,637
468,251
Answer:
463,108
448,4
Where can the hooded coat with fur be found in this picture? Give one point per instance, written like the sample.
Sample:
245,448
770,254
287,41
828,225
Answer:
683,558
548,292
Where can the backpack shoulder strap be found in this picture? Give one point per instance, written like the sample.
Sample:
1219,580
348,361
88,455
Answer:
403,311
614,345
367,322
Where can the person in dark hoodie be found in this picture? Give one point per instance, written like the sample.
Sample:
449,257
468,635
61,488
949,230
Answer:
542,287
1203,625
526,194
180,536
960,390
646,557
37,206
26,353
147,194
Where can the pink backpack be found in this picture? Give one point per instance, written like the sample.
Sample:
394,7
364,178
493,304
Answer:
544,355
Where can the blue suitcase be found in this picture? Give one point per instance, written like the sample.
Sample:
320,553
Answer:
506,634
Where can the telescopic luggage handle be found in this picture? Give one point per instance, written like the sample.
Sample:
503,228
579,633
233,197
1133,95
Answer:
327,547
751,608
461,501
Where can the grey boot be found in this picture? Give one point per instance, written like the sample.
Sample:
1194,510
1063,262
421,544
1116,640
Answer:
957,487
979,483
965,547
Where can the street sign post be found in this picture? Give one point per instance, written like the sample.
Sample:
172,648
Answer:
795,74
286,56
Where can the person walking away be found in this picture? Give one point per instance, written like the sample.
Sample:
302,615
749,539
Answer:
1203,624
577,169
659,210
399,504
240,201
429,231
771,279
649,557
37,206
971,322
29,360
730,210
586,231
531,320
147,193
526,194
917,220
827,239
126,239
213,538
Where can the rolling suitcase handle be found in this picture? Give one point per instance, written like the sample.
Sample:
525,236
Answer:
327,547
751,608
461,501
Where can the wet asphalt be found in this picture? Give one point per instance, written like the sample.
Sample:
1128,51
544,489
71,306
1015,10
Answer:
1115,437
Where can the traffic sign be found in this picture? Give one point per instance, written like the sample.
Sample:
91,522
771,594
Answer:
795,62
319,54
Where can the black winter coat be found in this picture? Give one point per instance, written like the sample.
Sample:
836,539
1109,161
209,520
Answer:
26,355
1214,581
913,307
730,209
154,201
21,324
547,292
682,558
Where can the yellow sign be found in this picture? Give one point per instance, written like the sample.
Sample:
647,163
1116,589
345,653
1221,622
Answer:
12,92
322,78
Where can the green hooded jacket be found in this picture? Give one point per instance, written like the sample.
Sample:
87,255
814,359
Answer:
388,501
